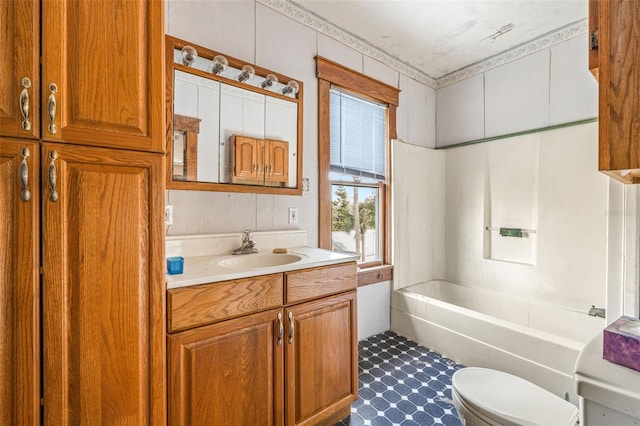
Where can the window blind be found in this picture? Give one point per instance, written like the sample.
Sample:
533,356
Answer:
358,133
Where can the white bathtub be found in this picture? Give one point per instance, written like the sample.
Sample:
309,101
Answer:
483,328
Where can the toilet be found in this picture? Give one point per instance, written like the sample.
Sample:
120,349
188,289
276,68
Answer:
489,397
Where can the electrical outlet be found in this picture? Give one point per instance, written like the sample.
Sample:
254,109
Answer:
168,214
293,215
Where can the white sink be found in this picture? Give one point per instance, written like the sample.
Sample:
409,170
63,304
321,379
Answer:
257,260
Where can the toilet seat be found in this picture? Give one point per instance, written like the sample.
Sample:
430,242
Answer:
504,399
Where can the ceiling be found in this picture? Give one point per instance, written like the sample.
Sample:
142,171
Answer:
438,37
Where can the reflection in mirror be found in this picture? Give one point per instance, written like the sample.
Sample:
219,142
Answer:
198,98
232,131
185,147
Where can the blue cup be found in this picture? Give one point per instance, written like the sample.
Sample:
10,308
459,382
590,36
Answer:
175,265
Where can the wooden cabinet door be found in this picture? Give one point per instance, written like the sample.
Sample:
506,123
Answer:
20,68
102,62
102,286
19,284
277,163
248,158
227,373
321,360
619,88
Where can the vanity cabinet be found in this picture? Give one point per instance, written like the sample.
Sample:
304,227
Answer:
101,80
278,349
614,53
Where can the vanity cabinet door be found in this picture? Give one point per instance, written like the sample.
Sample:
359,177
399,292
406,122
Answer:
228,373
103,73
321,360
19,284
102,286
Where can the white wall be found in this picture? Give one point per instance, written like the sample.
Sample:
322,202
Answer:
248,30
570,199
418,214
547,88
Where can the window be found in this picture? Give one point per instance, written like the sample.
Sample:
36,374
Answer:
356,121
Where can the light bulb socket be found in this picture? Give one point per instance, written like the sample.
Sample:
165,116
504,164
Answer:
220,64
269,81
247,73
189,55
292,88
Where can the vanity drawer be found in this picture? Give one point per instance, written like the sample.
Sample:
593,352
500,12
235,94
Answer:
309,284
190,307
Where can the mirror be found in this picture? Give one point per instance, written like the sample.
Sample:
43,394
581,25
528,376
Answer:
232,128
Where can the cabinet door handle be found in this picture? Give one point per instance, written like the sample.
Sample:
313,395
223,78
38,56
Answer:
594,38
291,327
24,103
25,195
280,329
51,108
53,176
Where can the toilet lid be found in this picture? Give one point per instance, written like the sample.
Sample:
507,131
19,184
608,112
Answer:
510,400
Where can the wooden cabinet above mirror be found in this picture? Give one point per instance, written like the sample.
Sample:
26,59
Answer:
229,131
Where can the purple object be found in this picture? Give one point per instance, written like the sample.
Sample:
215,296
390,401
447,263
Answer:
622,342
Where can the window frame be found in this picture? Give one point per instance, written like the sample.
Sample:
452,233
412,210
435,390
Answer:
331,73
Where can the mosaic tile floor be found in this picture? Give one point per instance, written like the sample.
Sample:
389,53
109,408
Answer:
402,383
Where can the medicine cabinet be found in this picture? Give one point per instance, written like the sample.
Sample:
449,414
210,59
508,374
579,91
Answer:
232,126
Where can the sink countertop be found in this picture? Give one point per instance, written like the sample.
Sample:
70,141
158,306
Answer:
606,383
203,269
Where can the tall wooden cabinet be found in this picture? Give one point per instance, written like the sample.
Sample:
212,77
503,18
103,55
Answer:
82,280
614,40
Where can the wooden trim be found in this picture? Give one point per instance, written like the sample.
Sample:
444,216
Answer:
353,80
374,275
336,74
594,25
387,254
324,163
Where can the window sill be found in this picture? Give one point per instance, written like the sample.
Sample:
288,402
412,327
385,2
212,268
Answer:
375,274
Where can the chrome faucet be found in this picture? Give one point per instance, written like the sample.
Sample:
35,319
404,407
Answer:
596,312
248,244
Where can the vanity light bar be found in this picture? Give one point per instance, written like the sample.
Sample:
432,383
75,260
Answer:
188,55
